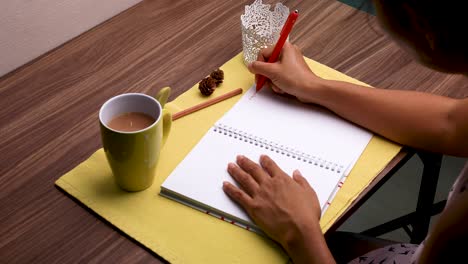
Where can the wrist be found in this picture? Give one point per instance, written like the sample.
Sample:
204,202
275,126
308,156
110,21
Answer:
308,245
300,235
316,90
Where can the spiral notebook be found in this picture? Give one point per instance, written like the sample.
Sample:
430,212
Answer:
295,135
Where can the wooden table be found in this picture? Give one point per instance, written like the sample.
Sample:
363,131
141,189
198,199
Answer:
49,107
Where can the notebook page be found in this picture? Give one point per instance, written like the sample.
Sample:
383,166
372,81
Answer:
303,127
201,174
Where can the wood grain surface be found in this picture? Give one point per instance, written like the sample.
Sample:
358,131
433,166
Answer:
49,107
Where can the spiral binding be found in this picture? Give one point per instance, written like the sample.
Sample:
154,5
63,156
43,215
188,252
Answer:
276,147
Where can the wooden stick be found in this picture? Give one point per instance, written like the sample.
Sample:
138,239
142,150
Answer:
206,104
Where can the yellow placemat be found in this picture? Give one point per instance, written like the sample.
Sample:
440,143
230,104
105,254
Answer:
181,234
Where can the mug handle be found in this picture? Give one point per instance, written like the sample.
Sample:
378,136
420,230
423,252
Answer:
167,124
163,95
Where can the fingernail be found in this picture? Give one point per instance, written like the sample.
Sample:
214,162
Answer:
240,157
297,172
231,165
250,67
262,157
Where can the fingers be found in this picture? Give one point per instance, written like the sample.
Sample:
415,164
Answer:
270,166
264,68
248,184
257,67
271,70
297,176
264,54
276,89
237,195
290,48
251,168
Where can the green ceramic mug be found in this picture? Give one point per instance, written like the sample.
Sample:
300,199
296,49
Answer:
133,156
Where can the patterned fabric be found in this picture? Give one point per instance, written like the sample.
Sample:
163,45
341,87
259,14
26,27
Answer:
398,253
410,253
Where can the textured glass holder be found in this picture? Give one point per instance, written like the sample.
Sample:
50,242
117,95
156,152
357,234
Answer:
261,27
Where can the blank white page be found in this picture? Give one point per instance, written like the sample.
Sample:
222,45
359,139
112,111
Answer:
303,127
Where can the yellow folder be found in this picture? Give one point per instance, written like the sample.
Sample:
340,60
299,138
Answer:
181,234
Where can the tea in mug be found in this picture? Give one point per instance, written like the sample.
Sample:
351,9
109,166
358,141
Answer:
130,122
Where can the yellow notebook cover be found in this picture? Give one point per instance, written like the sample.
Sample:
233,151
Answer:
181,234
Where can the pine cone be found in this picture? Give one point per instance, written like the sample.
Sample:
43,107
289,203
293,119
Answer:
207,86
218,75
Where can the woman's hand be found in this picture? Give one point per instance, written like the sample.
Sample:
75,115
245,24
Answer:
282,206
290,74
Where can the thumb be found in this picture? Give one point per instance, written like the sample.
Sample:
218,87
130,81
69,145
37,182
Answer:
264,68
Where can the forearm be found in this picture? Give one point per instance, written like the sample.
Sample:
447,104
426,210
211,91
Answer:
416,119
308,246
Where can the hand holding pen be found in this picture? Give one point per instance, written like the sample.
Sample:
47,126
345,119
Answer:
287,27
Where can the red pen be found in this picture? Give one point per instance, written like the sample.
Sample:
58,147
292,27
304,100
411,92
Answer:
287,27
